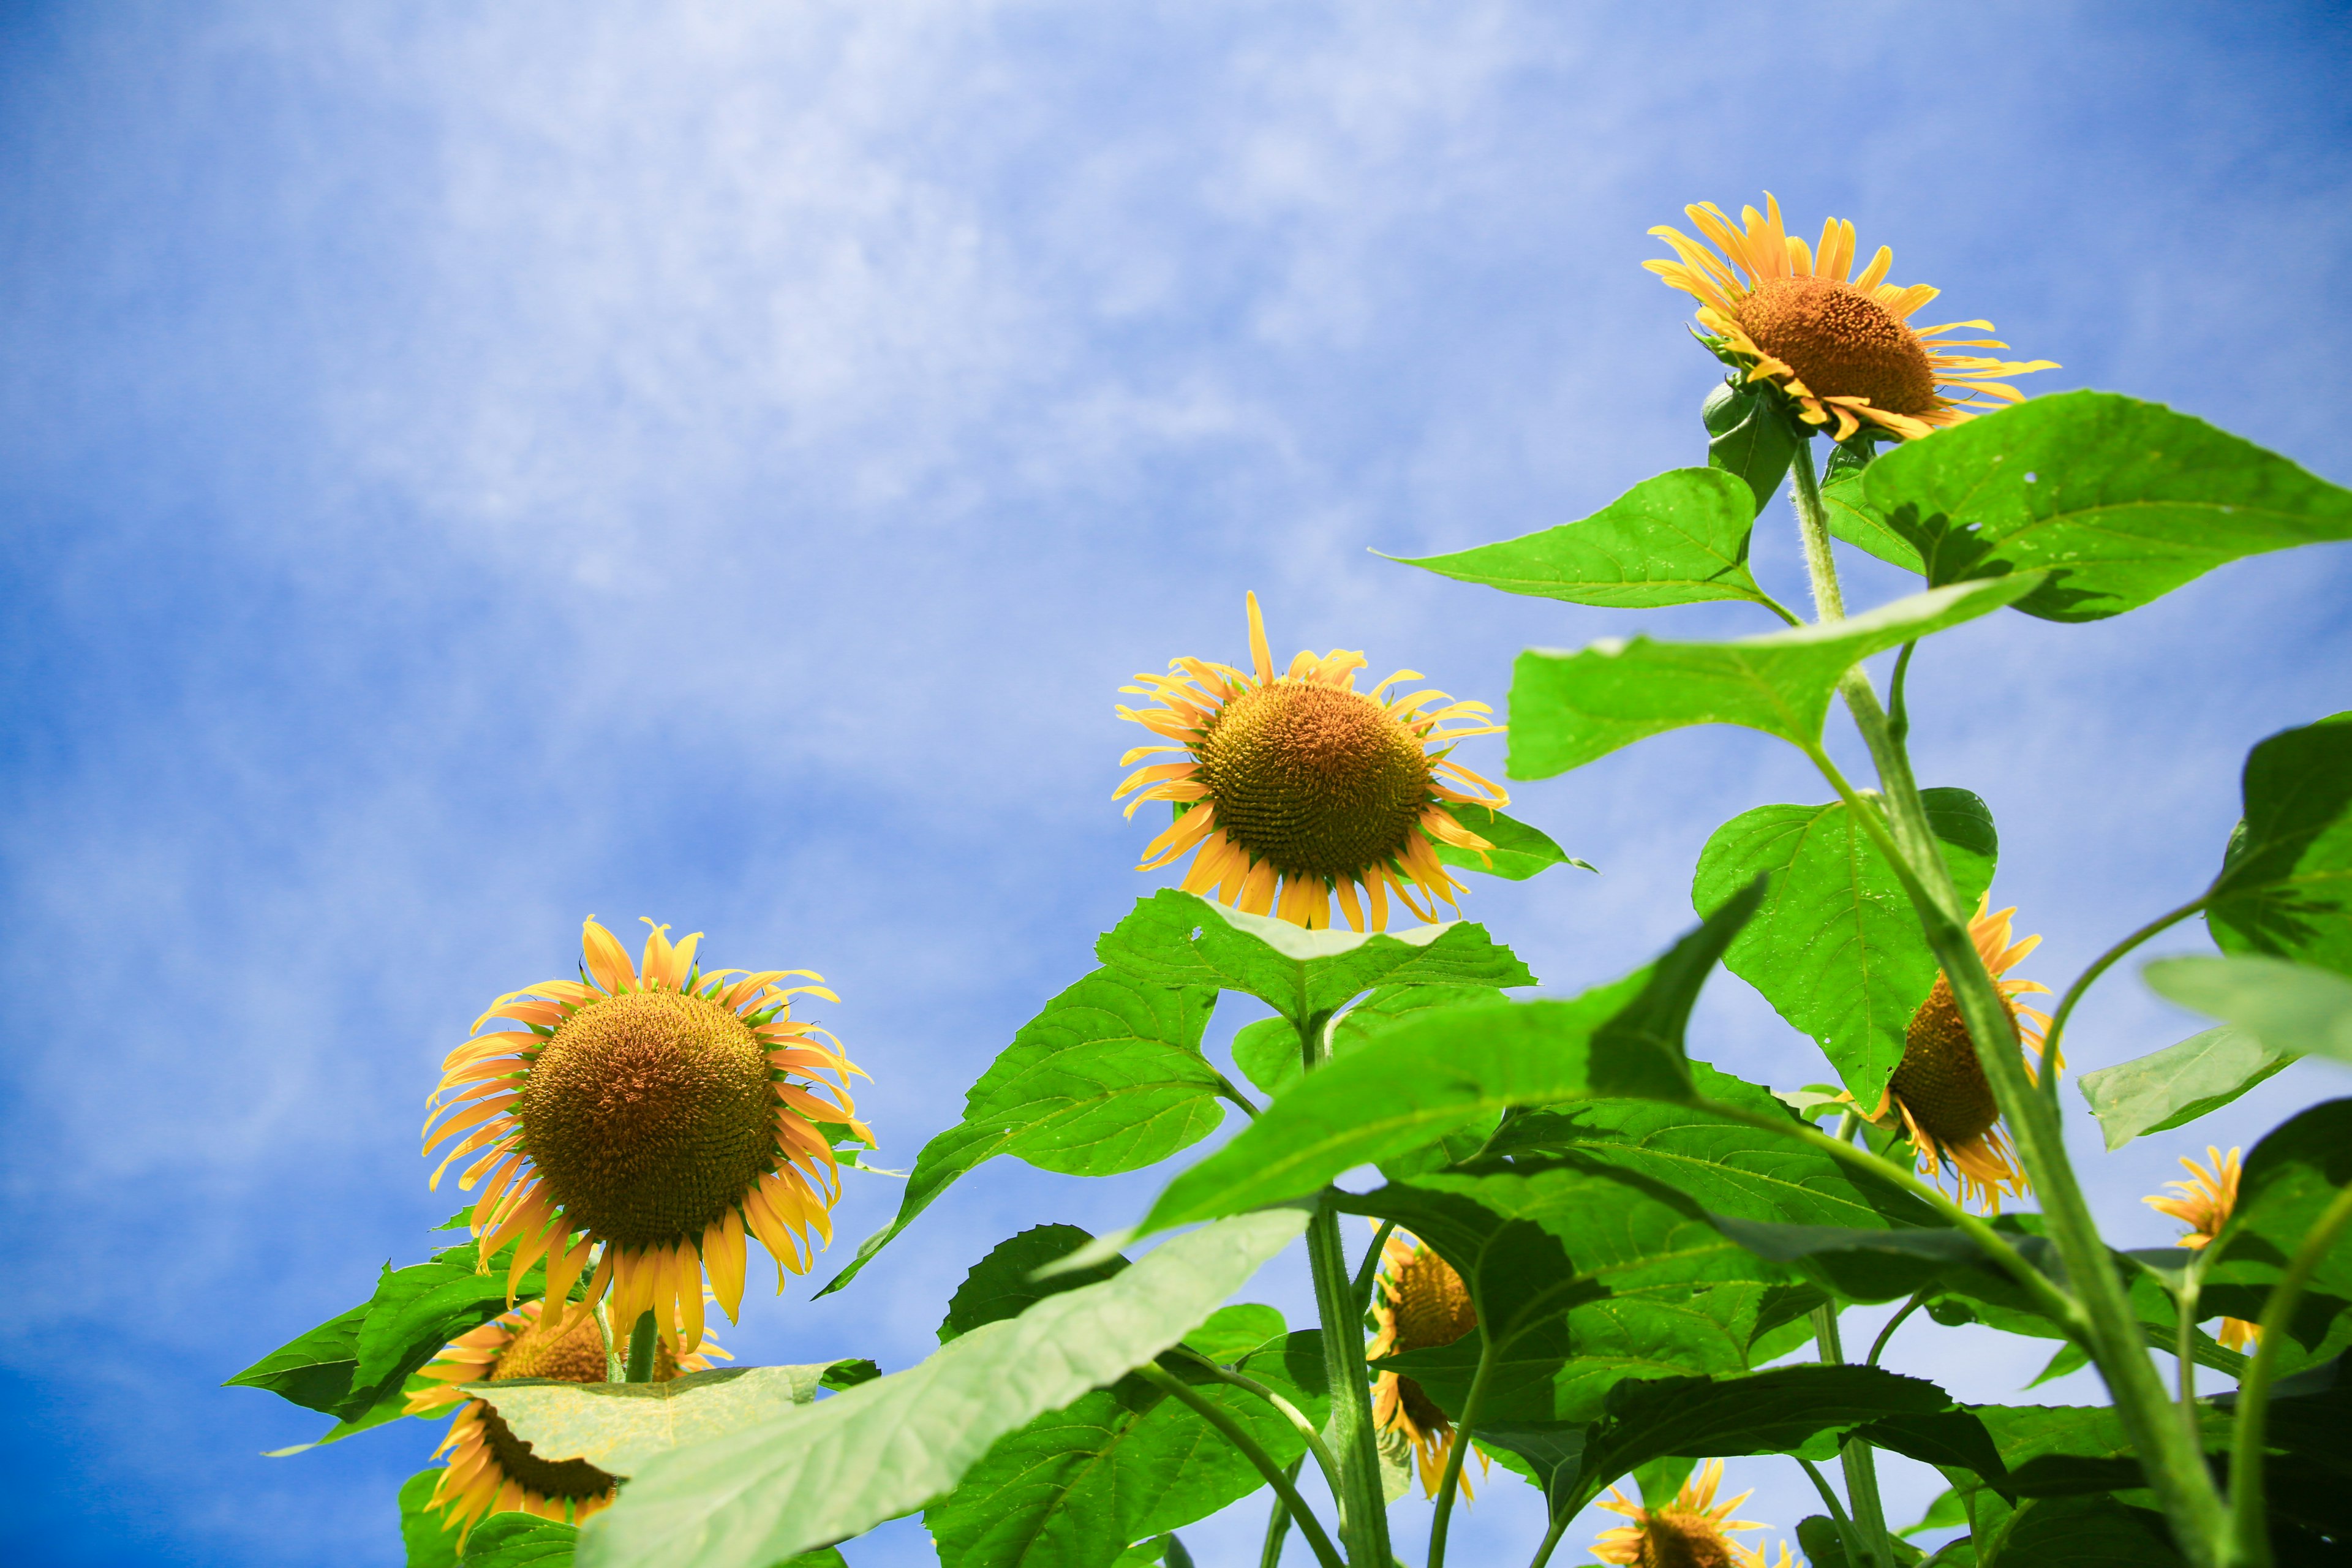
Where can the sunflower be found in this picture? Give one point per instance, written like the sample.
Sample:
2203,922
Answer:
1938,1095
1692,1531
1842,348
1421,1303
648,1115
490,1470
1302,783
2203,1203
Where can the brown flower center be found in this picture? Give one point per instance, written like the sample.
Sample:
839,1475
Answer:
1672,1539
1318,780
648,1114
1841,343
1939,1078
1433,1306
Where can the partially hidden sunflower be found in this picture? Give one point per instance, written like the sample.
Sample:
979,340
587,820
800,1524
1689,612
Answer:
1692,1531
1419,1303
1297,788
1841,347
1938,1095
647,1115
2203,1203
490,1470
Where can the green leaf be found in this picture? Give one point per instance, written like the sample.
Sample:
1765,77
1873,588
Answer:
836,1468
2290,1178
430,1542
1268,1050
1569,709
1179,939
1678,539
314,1369
1231,1333
1003,1284
1948,1512
1748,434
1836,947
1108,1078
2175,1086
1817,1535
1445,1070
2122,501
2291,1008
620,1426
1852,519
518,1541
1520,851
2285,887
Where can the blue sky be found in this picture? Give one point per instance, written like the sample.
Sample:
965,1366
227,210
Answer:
463,471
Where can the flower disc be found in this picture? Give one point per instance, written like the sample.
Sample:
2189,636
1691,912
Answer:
1841,343
1320,780
1940,1079
648,1115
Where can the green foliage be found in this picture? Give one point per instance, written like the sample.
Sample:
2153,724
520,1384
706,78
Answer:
427,1543
518,1541
1678,539
1520,850
1178,938
1748,434
1004,1284
1108,1078
1836,947
2122,501
1453,1068
2175,1086
620,1426
2291,1176
1571,709
822,1474
2291,1008
2285,887
1267,1051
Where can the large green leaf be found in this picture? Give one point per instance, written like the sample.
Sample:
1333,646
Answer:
2122,501
518,1541
1520,850
1004,1284
2285,887
1836,947
1180,938
620,1426
2290,1178
1852,519
1748,434
1569,708
1268,1050
2175,1086
428,1540
2289,1007
830,1471
314,1369
1454,1067
1678,539
1108,1078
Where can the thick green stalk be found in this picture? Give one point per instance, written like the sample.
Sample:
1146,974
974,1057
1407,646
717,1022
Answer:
2250,1526
1451,1482
1232,1432
1861,1465
1363,1508
641,1340
2176,1469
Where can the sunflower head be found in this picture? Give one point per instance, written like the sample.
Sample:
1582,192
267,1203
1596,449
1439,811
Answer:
1840,347
1939,1094
1692,1531
1297,788
647,1116
2203,1204
1420,1303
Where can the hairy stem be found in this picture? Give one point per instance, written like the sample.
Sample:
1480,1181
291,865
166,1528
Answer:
2250,1525
641,1340
1860,1464
1451,1482
1247,1446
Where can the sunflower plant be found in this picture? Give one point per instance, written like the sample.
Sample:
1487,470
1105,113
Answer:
1590,1259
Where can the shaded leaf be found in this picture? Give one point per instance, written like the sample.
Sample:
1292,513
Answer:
2292,1008
429,1541
1003,1284
2121,500
1748,434
1520,851
1569,709
1268,1050
2175,1086
620,1426
1836,947
2285,887
829,1472
2287,1182
1179,939
1108,1078
1679,538
313,1369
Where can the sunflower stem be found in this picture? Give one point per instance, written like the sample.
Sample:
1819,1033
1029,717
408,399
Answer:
2252,1523
1861,1464
1278,1476
1451,1482
2172,1458
1847,1536
641,1340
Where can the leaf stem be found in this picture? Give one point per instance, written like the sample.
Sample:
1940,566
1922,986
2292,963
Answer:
2252,1524
1277,1523
1231,1430
1847,1536
1451,1482
1226,1088
1898,716
642,1341
2099,966
1878,1345
1855,1456
1551,1540
1370,1271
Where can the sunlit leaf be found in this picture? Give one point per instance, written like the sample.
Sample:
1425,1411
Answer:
428,1540
1569,708
2290,1007
1268,1050
2122,501
1836,947
1108,1078
1178,938
1520,851
518,1541
2175,1086
826,1472
2285,887
619,1427
1680,538
1852,519
1234,1332
313,1369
